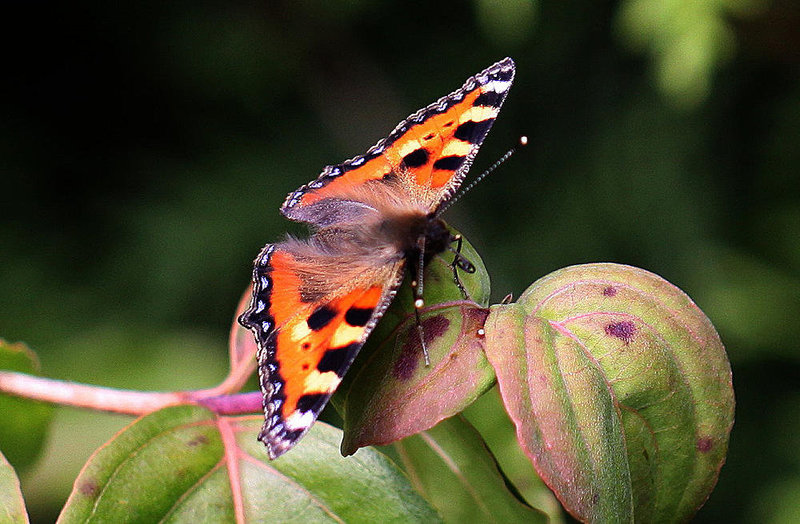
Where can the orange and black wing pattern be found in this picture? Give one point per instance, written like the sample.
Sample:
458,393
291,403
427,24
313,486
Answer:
435,145
311,309
306,344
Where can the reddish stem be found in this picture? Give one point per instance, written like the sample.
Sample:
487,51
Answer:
121,400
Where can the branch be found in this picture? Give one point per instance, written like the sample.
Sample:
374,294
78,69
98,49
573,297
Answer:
124,401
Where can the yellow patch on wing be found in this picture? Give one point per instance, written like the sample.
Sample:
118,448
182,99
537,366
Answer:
299,331
479,114
317,382
346,334
456,148
407,147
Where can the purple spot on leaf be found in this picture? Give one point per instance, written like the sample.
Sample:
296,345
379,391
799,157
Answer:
622,330
89,488
411,354
197,441
406,362
704,444
609,291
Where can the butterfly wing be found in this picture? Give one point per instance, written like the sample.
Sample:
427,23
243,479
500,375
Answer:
433,148
307,339
306,343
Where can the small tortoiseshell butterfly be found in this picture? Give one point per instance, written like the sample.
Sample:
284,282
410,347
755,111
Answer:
316,300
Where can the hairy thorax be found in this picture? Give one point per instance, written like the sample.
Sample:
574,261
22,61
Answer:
365,234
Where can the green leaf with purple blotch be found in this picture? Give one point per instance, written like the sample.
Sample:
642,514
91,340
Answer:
391,393
397,395
620,391
185,464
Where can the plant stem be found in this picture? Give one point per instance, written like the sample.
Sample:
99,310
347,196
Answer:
121,400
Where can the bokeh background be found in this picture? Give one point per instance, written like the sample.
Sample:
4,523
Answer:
145,150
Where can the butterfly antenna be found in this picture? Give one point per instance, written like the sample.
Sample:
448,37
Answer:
523,141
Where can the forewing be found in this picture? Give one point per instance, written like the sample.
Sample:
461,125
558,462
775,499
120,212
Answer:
306,343
432,149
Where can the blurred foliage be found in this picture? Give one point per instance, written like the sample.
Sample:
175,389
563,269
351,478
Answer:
687,40
146,147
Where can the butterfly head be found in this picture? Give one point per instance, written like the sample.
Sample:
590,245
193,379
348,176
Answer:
410,231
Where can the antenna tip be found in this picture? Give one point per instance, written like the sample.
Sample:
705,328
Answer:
523,140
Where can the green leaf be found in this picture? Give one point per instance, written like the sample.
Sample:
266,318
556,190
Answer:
620,391
391,393
490,419
24,423
565,422
455,470
12,506
184,464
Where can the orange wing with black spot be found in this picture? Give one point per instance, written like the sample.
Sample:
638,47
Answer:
436,145
305,347
308,334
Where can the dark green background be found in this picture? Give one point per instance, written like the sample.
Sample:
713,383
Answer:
146,149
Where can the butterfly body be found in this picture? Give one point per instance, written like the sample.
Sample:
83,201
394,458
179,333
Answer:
316,300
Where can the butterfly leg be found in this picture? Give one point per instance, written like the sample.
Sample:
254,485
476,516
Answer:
419,302
460,261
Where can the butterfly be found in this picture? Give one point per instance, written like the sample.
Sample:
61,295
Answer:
315,300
